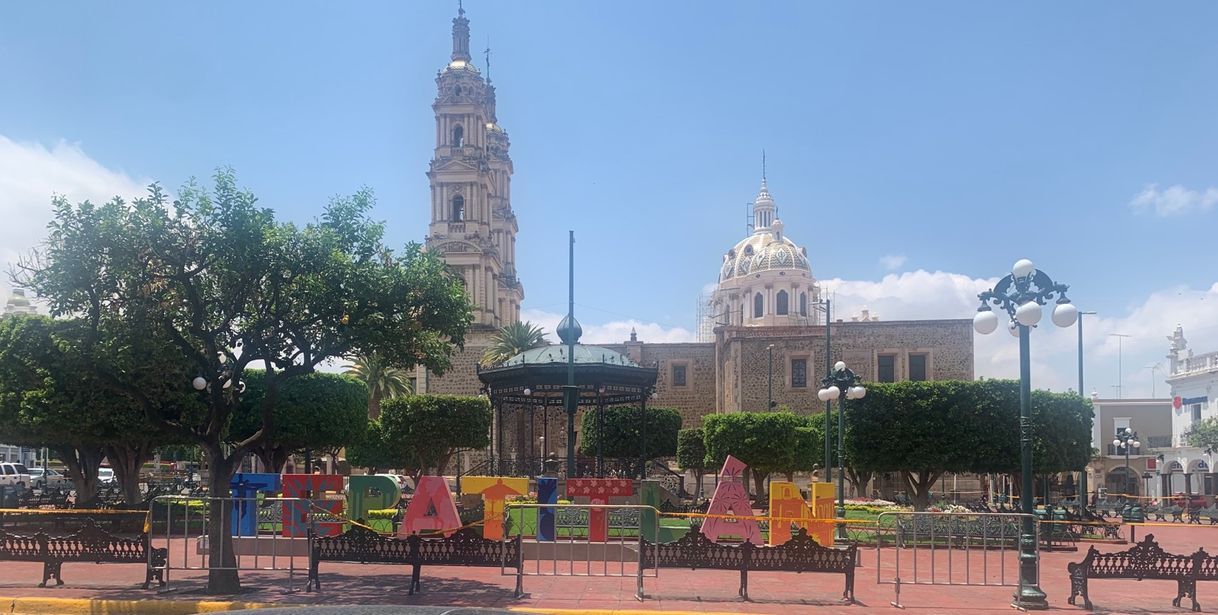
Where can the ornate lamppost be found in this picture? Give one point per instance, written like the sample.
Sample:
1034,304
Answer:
841,384
1128,440
1022,294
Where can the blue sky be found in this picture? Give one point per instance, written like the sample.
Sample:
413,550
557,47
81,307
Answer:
916,149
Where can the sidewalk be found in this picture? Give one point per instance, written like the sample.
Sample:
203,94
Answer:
701,591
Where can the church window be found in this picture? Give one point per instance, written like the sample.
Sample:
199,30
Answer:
917,367
458,136
458,208
799,373
748,250
758,305
886,364
679,376
803,304
782,308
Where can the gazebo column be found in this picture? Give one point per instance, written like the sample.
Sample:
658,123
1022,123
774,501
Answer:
600,435
498,455
570,399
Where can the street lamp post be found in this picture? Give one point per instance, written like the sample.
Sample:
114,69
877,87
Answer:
1128,440
841,384
1022,294
1082,477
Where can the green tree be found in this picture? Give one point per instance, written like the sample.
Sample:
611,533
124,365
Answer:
383,380
422,432
512,340
623,436
924,429
766,441
229,286
373,452
50,396
1204,434
314,412
691,455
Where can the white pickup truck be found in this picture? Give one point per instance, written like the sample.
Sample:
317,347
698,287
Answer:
14,474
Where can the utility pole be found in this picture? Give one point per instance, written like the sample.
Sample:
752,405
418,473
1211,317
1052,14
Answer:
1120,366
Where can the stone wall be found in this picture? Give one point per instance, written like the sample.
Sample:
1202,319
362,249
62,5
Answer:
697,397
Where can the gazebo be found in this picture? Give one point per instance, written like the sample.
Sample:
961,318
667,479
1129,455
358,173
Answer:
566,376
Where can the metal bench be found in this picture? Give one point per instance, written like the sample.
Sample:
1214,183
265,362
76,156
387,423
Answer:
88,544
463,548
799,554
1145,560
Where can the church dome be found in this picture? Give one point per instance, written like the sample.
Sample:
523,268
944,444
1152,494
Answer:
765,250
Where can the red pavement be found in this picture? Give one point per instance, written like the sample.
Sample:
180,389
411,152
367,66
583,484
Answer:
685,590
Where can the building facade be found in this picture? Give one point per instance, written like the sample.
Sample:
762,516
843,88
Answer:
1194,397
768,318
1150,421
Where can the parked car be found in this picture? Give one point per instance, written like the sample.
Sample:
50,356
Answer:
1195,500
41,478
105,476
14,474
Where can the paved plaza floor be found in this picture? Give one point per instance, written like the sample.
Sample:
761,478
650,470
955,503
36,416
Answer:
704,591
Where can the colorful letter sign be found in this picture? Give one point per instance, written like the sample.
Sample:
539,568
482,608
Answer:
365,493
547,493
731,499
296,513
787,506
822,508
494,490
599,490
245,488
431,508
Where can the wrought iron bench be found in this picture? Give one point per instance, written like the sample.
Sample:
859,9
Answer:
88,544
463,548
800,554
1145,560
49,498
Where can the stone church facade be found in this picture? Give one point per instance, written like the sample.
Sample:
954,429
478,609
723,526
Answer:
767,304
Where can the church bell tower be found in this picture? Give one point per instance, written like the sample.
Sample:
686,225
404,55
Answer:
472,223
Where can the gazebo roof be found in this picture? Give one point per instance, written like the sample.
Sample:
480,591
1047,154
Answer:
557,353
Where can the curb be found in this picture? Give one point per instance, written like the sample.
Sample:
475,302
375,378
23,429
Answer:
99,606
545,611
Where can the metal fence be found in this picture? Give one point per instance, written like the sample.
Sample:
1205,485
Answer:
185,526
572,552
967,549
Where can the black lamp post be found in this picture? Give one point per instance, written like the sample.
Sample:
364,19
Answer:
1022,294
841,384
1128,440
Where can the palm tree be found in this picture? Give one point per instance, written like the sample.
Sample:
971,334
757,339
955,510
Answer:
383,380
512,340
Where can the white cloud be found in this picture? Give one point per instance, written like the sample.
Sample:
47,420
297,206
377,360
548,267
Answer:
1175,200
892,262
30,174
613,332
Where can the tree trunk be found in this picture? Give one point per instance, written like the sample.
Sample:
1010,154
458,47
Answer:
919,485
219,530
759,482
859,480
82,469
374,404
698,476
127,461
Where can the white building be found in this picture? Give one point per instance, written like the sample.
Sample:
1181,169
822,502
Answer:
1194,394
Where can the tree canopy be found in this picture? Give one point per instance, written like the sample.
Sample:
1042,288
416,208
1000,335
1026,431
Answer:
383,380
511,340
622,436
226,285
422,432
50,396
1204,434
317,411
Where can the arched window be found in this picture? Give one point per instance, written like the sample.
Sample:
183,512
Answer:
758,305
458,136
803,304
458,208
783,306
